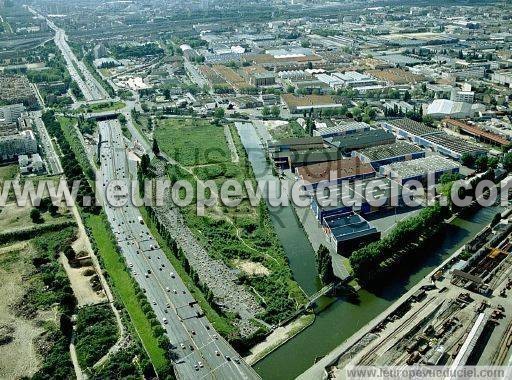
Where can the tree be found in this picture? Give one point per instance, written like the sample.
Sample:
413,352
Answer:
275,111
265,111
219,113
482,163
324,265
167,94
35,215
468,160
144,164
507,162
407,96
122,119
493,162
156,148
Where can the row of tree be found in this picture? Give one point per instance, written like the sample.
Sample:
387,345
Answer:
408,239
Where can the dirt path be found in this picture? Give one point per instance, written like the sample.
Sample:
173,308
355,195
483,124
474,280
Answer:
231,144
87,247
278,337
82,288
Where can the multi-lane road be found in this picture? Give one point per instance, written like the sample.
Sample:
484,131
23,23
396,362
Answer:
199,351
89,86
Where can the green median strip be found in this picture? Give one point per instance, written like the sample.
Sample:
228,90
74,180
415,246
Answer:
122,281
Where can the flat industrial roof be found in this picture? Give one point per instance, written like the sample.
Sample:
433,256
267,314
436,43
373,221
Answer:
347,226
454,143
347,194
397,149
361,138
420,166
412,127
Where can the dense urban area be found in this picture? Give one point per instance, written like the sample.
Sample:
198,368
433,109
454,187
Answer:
330,95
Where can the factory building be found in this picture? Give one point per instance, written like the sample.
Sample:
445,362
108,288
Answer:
419,169
295,158
295,143
409,129
432,138
364,197
361,139
381,155
347,169
452,146
347,232
327,129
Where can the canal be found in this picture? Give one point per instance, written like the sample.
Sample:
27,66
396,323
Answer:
337,319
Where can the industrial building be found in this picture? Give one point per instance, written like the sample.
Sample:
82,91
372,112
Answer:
327,128
297,104
419,169
441,108
292,159
361,139
451,146
347,232
409,129
364,197
480,134
295,143
432,138
389,153
333,172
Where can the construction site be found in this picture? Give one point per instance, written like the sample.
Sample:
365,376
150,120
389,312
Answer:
459,315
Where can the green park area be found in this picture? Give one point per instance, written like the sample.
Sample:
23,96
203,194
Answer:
242,236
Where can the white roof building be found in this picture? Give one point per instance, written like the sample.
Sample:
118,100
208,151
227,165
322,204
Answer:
441,108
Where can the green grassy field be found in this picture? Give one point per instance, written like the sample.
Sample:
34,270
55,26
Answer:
122,282
8,172
192,141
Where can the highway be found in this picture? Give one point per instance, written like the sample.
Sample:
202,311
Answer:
200,352
89,86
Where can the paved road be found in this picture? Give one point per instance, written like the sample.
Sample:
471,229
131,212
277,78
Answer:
201,353
89,86
52,158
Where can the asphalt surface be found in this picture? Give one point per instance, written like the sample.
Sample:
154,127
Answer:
200,351
45,140
89,86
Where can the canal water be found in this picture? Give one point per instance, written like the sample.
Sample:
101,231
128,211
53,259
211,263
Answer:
337,319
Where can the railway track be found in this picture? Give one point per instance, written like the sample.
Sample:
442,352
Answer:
500,355
369,356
